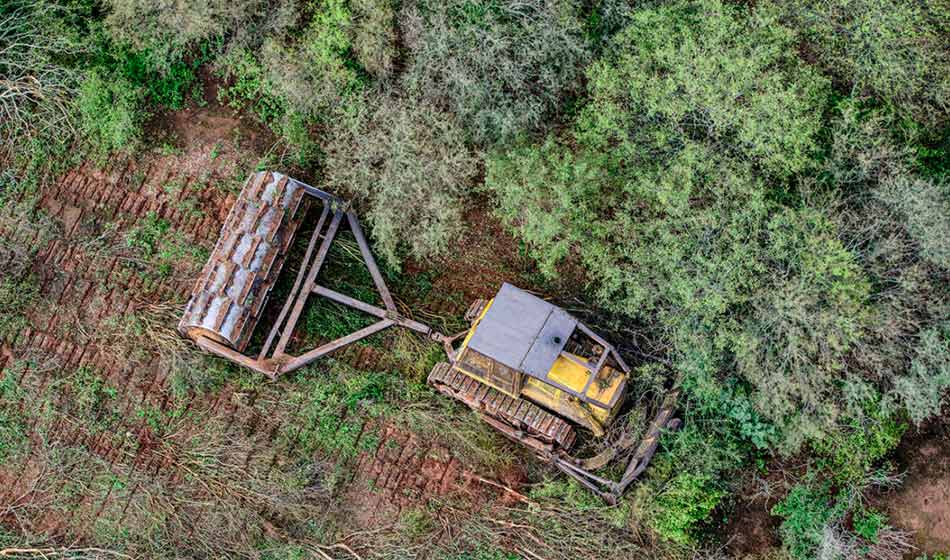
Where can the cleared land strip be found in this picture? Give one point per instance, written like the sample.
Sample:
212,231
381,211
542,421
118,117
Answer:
121,449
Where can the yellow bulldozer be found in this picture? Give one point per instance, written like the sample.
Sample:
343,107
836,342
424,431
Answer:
527,367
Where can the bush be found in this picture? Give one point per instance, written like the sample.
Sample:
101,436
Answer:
501,67
687,480
893,219
705,69
897,50
373,36
807,511
410,163
35,87
110,112
163,31
804,321
249,85
685,501
300,87
317,73
868,524
861,442
923,389
925,208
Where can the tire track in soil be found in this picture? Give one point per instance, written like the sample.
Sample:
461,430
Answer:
86,289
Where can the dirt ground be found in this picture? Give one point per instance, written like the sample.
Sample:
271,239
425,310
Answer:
922,503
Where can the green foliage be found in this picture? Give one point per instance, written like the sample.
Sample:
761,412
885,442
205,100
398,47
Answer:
110,111
17,295
897,50
685,502
862,442
13,433
162,31
868,523
147,235
804,320
89,392
568,492
712,70
373,36
501,67
410,163
159,249
923,389
687,479
301,86
806,511
317,74
331,409
924,205
248,85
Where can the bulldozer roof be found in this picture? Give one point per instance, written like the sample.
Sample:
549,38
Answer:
523,332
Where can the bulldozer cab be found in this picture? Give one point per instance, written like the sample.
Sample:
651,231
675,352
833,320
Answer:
528,348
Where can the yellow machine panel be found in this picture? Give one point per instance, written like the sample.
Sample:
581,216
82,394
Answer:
594,412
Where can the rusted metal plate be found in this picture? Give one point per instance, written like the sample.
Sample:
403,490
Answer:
230,294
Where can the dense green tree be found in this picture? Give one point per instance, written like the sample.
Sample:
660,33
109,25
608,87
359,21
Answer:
410,163
894,49
502,67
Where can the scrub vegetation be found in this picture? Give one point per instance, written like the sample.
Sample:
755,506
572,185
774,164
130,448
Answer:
761,188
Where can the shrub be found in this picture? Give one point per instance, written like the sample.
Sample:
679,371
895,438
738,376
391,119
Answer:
163,31
110,112
249,85
410,163
862,441
373,36
501,67
897,50
804,321
893,219
924,205
868,524
807,511
923,389
316,74
299,86
685,501
35,87
704,69
687,480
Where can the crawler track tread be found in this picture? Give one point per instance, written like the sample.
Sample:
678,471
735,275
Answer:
526,422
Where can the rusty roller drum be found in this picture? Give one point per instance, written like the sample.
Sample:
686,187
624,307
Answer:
232,290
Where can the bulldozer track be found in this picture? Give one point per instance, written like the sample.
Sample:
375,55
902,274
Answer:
529,423
124,191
